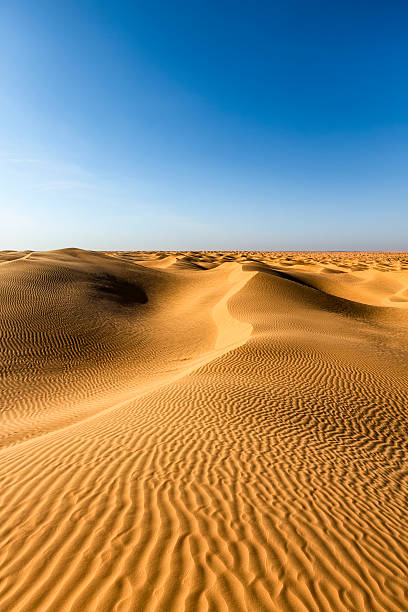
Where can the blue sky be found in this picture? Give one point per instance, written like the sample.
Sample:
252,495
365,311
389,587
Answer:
204,125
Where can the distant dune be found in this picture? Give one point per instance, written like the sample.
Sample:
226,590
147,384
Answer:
220,431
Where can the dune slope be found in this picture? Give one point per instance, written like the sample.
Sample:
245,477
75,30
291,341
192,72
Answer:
203,431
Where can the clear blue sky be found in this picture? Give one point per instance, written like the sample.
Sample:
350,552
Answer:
204,125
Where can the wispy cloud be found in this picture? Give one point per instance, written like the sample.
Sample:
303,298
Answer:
23,160
44,165
66,185
40,174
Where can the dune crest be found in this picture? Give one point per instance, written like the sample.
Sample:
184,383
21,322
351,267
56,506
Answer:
203,431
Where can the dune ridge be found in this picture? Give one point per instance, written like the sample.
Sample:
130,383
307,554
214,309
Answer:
204,431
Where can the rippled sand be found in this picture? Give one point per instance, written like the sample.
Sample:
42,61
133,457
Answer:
203,431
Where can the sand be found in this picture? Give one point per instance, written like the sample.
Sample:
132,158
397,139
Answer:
203,431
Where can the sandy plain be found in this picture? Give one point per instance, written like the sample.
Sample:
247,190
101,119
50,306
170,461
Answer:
203,431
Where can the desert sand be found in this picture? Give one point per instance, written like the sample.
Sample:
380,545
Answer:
203,431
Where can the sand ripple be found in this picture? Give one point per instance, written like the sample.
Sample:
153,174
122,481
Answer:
203,431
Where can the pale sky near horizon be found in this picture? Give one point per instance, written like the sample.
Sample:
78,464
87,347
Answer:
204,125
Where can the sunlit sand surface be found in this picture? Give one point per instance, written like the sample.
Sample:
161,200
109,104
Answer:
218,431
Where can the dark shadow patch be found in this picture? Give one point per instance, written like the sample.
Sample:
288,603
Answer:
107,286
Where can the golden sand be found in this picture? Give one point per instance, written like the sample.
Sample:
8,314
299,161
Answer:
204,431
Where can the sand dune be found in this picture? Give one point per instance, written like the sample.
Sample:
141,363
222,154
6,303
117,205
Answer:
203,431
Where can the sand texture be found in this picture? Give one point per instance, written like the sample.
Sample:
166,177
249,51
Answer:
203,431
